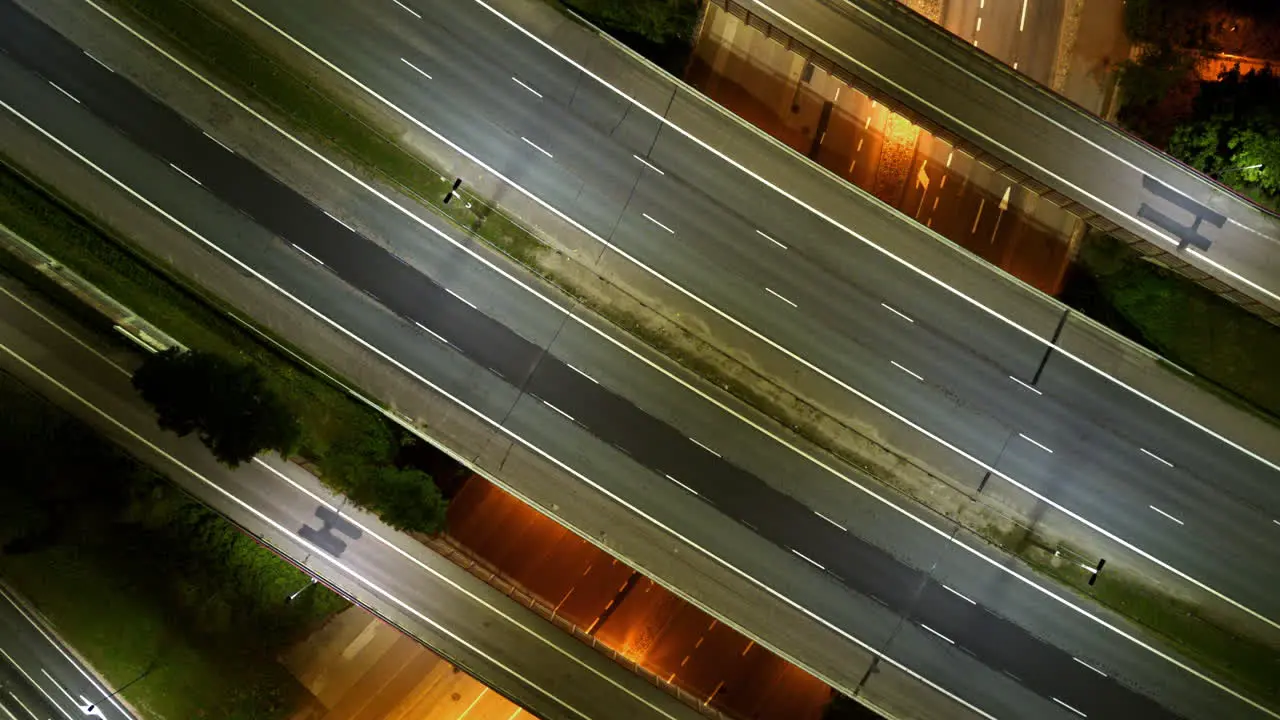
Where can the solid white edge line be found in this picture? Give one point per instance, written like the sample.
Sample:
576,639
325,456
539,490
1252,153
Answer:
833,522
808,456
316,550
1156,232
1157,457
535,146
91,57
935,632
1032,388
958,594
807,559
340,222
415,67
58,87
93,682
37,685
686,487
782,597
774,293
522,84
468,302
704,447
186,174
219,142
1035,442
16,699
1090,666
770,239
1153,507
905,370
650,165
897,312
553,407
407,9
655,222
817,213
1069,707
916,426
575,369
300,249
434,334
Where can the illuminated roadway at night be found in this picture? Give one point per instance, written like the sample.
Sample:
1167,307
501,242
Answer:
1028,126
585,395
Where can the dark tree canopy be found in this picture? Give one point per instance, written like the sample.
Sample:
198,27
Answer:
405,499
842,707
1233,133
227,404
659,21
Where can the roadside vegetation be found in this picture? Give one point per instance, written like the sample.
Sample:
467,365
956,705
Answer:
251,72
142,579
356,450
660,30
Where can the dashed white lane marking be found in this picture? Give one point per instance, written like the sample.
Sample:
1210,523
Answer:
186,174
935,632
1069,707
953,591
807,559
1038,444
686,487
1153,507
553,407
407,9
648,164
524,85
434,334
1157,457
833,522
421,72
219,142
535,146
1029,387
64,92
583,374
1089,666
704,447
340,222
783,299
897,312
91,57
468,302
304,252
1022,19
22,704
905,370
775,242
649,217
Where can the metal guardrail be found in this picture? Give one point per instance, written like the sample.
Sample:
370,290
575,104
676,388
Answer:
127,323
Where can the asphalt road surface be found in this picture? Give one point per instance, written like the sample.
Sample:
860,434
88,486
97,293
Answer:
514,651
1186,498
1116,175
39,678
976,619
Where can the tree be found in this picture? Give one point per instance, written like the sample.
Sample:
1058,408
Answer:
1233,133
227,404
842,707
405,499
660,21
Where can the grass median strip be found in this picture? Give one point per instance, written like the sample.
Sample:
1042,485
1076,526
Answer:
144,582
256,74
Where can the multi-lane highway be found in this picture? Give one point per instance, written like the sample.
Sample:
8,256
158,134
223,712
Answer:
477,628
864,321
40,678
1129,183
550,381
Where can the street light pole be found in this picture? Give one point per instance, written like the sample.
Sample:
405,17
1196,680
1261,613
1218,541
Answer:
90,708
